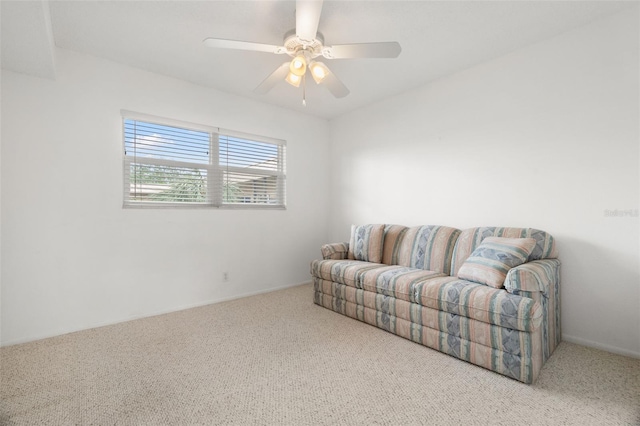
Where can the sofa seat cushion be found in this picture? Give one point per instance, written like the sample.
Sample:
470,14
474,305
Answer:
479,302
345,272
436,291
395,281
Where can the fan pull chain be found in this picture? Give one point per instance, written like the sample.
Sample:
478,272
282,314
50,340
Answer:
304,90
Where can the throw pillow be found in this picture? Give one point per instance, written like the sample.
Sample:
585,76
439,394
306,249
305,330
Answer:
489,263
366,243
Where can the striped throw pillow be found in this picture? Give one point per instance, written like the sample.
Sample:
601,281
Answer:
493,258
366,243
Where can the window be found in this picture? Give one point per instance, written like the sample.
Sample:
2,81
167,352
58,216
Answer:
169,163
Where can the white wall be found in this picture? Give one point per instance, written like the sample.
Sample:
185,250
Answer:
546,137
0,204
73,258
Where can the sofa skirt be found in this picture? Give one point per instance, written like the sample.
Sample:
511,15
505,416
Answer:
512,353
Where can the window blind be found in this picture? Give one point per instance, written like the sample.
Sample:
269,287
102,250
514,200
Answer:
167,163
252,171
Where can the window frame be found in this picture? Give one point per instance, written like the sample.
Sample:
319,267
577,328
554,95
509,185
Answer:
215,171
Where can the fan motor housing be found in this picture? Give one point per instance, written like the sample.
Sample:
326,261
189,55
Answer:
295,44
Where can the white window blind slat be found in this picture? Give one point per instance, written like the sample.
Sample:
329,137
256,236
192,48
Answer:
167,164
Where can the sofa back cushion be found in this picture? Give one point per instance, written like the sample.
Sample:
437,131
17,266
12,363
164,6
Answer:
471,238
366,243
393,237
428,247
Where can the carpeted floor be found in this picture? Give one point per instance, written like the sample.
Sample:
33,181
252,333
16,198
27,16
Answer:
279,359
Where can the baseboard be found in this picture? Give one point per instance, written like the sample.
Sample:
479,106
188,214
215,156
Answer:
152,314
601,346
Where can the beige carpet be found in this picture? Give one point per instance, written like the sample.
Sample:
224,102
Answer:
279,359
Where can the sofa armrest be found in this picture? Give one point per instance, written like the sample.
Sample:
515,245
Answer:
538,275
336,251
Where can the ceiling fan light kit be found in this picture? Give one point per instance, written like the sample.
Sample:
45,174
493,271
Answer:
293,79
304,44
298,65
319,71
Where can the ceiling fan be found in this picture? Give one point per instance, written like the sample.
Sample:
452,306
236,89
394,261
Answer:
304,44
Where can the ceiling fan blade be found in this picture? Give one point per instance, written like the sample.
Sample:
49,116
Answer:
243,45
335,86
277,76
307,18
390,49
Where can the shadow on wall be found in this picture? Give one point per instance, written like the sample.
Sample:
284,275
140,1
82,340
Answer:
587,260
598,280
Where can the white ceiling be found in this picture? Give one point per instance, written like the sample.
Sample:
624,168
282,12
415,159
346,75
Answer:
165,37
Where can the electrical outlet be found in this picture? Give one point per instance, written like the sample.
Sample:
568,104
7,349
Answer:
225,276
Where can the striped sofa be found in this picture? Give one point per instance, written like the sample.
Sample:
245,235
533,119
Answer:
426,284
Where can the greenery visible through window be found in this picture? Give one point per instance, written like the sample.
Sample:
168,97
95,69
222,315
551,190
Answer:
169,164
